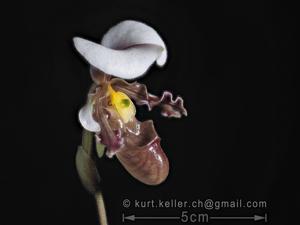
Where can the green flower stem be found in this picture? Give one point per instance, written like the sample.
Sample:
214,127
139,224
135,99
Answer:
100,149
87,141
101,208
87,145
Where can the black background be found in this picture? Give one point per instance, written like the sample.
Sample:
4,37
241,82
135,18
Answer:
232,62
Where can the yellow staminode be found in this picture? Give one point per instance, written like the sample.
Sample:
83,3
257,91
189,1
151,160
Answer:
122,104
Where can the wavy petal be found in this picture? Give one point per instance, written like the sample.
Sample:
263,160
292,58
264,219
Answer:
86,118
129,33
138,92
127,64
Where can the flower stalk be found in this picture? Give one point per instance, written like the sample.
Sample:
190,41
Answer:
101,208
87,138
87,146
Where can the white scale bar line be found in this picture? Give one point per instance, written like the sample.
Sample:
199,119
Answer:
166,217
230,218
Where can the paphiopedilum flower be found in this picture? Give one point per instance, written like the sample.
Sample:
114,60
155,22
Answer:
127,51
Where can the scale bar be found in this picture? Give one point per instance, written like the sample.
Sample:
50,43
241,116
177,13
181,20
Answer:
254,218
158,218
231,218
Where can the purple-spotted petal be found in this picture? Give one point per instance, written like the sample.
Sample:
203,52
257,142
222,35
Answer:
128,63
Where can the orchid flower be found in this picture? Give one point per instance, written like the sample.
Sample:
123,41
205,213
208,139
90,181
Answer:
127,51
